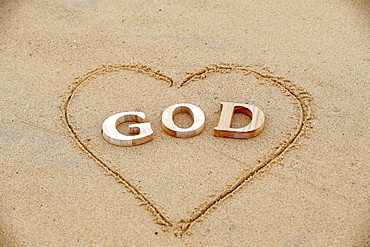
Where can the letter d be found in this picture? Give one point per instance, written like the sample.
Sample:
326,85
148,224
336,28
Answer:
228,109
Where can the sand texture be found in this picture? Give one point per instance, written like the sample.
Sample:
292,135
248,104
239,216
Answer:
68,65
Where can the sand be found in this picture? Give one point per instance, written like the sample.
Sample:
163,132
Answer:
66,66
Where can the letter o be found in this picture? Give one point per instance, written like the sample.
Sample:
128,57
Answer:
194,111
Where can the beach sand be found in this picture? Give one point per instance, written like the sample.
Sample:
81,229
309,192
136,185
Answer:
68,65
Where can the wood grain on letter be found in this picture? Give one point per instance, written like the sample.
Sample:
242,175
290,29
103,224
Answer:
253,129
194,111
143,130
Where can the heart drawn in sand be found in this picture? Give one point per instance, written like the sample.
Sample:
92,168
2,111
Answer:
180,180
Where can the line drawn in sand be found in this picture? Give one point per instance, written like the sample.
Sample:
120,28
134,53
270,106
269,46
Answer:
305,120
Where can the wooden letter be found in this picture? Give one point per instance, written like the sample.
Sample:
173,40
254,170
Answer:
143,130
227,112
170,127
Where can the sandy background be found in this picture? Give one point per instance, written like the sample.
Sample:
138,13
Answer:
54,193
